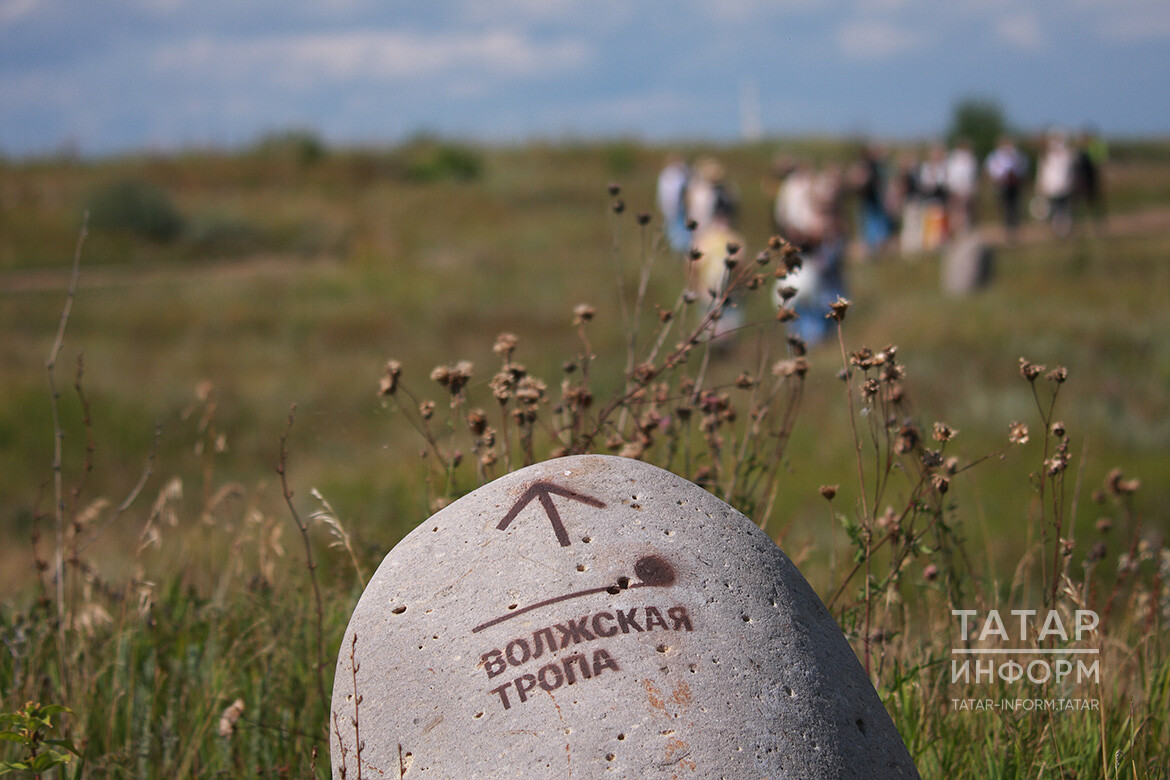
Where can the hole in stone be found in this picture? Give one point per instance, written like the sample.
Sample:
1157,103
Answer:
586,539
693,668
861,725
609,756
399,610
662,648
747,619
436,528
668,532
623,582
479,715
513,606
613,590
788,691
621,737
581,567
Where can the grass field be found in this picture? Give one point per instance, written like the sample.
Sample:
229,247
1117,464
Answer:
290,275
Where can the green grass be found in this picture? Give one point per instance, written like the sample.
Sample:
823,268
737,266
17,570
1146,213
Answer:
190,600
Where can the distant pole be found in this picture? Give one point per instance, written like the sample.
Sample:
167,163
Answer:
751,125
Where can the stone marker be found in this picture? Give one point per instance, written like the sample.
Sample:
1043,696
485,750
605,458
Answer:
966,265
597,616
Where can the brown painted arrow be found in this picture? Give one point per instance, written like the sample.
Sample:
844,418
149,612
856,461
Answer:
543,491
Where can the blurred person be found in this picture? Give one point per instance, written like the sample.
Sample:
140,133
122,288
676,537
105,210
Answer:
962,178
868,179
932,187
809,213
1055,180
905,200
716,243
708,192
1088,190
1007,167
671,198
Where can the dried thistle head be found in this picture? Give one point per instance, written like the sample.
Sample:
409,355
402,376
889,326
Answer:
907,439
502,385
797,366
477,422
1057,375
828,492
505,345
442,375
785,314
942,432
838,308
530,391
388,385
1018,433
460,375
1030,370
583,313
1119,486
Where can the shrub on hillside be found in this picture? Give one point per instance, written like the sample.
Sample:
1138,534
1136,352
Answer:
137,208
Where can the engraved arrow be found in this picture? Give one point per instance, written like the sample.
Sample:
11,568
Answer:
543,491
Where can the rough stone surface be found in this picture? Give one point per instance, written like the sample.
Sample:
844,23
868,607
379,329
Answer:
595,616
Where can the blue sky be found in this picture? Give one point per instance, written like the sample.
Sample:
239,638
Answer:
102,76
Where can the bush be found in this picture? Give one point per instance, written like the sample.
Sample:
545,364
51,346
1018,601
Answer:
137,208
428,160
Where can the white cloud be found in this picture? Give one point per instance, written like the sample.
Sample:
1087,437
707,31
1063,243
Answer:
1021,31
373,55
15,10
875,40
